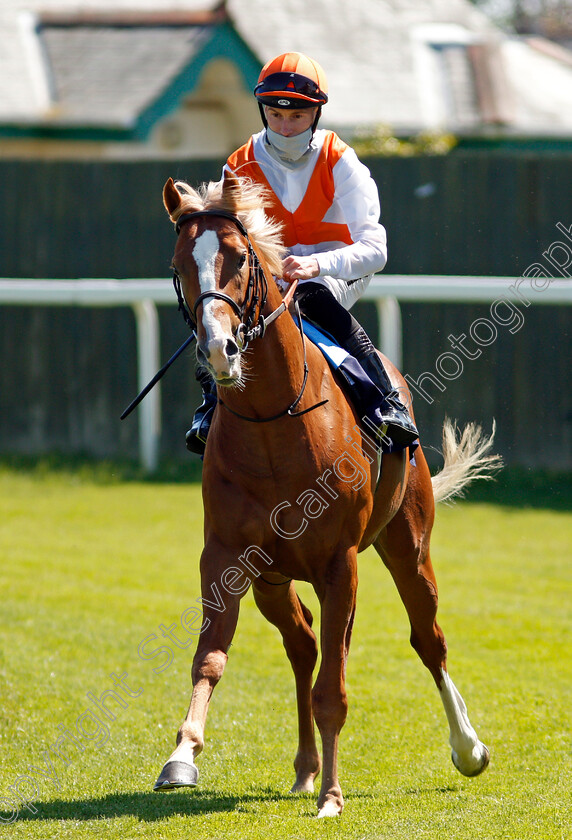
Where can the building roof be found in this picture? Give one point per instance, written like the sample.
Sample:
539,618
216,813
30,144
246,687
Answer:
107,71
122,65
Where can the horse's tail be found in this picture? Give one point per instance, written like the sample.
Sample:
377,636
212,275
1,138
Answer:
465,459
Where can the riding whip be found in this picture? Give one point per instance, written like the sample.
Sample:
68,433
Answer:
157,377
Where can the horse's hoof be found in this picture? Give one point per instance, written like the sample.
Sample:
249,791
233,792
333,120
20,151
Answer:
306,786
475,771
176,774
330,809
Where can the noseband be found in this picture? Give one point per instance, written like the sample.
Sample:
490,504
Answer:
256,291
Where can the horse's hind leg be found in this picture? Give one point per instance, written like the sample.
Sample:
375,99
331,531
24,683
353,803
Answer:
281,606
404,548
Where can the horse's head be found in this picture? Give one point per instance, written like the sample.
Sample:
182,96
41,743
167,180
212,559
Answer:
218,270
212,263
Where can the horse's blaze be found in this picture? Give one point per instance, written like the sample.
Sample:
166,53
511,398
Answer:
216,341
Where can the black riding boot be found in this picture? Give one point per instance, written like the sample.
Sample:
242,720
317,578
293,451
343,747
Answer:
196,437
380,404
400,427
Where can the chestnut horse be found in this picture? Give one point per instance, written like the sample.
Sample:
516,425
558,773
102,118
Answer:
292,489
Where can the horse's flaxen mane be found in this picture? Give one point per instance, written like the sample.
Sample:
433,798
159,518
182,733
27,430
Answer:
248,205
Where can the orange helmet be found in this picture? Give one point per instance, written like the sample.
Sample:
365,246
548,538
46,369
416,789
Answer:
292,80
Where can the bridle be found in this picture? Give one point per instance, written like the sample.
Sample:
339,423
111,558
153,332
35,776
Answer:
256,291
251,325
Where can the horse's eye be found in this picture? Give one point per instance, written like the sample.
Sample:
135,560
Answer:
241,260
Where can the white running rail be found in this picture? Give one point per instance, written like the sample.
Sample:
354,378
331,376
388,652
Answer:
143,296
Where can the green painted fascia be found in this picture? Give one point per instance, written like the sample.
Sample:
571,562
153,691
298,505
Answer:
514,144
78,133
225,42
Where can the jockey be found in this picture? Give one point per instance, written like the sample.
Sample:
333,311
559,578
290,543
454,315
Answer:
328,204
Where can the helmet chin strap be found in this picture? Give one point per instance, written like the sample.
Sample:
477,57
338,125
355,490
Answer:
315,123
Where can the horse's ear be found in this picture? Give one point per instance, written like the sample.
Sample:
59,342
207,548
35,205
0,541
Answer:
231,191
171,197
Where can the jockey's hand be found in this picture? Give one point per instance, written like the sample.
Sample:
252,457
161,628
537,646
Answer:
299,268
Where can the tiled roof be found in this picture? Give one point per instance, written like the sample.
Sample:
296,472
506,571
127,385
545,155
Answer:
108,73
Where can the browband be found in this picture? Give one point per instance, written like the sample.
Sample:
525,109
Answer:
186,217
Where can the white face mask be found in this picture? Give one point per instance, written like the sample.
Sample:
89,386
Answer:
290,148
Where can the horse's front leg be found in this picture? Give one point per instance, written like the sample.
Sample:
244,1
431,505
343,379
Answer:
329,700
220,616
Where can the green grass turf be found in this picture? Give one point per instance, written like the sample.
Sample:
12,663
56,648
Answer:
93,563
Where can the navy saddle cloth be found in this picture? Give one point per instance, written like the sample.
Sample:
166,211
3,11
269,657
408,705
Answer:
358,387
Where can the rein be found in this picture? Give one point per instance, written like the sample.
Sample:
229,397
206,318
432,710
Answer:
256,293
290,410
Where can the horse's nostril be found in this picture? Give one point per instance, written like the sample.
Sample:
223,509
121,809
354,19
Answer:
231,348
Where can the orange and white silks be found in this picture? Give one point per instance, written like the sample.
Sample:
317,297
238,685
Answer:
306,225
